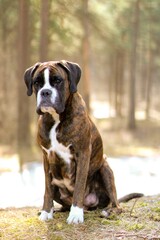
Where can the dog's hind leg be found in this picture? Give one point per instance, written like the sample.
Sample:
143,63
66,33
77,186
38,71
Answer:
109,184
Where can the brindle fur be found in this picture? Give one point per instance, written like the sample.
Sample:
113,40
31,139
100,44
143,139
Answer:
88,173
77,129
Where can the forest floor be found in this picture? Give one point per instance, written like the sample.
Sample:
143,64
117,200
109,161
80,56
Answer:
140,218
118,141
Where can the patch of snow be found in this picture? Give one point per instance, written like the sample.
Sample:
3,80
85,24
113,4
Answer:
132,174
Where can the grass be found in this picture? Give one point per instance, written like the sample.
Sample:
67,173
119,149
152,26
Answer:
140,222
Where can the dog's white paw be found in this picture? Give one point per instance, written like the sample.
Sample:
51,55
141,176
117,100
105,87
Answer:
44,216
76,215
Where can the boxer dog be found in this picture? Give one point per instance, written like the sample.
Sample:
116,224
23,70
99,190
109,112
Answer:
77,174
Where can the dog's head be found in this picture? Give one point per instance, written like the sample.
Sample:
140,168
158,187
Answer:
52,82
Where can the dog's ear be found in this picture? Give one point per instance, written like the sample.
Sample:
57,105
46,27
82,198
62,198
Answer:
74,73
28,77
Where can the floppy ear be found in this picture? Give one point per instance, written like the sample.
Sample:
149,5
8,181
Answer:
28,77
74,73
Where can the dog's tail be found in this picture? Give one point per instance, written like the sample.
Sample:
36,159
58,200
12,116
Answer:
130,196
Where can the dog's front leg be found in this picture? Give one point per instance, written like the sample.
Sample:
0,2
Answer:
47,210
76,214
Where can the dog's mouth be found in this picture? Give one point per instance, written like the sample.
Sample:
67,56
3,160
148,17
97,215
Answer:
45,107
48,107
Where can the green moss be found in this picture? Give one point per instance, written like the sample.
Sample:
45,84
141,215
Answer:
142,204
55,237
111,222
136,226
156,209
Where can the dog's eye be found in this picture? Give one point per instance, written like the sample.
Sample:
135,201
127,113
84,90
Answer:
36,83
55,80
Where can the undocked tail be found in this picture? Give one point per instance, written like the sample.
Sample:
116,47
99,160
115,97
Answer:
130,196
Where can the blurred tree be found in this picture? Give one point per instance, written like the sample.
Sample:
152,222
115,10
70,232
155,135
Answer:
3,61
149,74
85,53
119,81
44,20
7,61
24,141
133,62
150,54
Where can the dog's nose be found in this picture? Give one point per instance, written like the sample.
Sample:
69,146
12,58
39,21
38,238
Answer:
46,93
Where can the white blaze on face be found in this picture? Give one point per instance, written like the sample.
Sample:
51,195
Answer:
46,86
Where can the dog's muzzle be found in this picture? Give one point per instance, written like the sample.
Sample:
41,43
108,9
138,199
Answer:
48,101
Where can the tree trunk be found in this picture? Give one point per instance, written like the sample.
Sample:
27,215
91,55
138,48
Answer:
24,145
133,62
149,71
119,72
111,82
149,84
44,30
3,62
85,55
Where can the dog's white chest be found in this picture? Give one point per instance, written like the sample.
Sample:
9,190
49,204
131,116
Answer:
61,150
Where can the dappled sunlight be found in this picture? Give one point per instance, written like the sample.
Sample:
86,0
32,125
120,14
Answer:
142,151
9,163
101,109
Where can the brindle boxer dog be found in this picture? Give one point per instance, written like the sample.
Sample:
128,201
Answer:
77,174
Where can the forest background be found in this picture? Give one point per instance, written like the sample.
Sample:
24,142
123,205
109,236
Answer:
117,45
